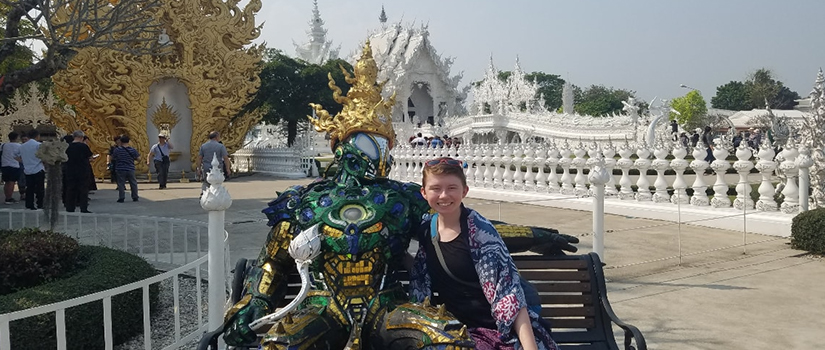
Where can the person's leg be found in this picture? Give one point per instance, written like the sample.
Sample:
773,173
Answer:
121,185
8,186
40,188
21,184
159,169
82,196
70,199
30,185
163,175
133,187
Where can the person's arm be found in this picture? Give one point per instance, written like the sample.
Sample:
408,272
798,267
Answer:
228,165
524,330
169,144
150,155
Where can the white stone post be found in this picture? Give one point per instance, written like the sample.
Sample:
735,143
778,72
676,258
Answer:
660,164
478,157
529,176
541,177
699,164
626,191
609,163
497,173
766,166
720,165
518,175
643,163
743,167
488,166
216,200
552,162
804,162
598,178
790,204
579,162
679,164
564,162
507,158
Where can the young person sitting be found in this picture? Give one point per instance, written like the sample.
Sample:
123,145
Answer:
462,257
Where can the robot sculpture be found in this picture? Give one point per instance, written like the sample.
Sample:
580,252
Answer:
349,233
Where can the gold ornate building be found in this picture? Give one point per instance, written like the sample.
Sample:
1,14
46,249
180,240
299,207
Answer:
201,82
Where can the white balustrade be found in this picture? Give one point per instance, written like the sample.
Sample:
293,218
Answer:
643,184
804,162
661,165
564,162
609,152
478,158
625,163
518,161
529,162
720,165
499,170
743,166
488,166
790,202
766,166
552,162
579,162
699,164
507,160
679,164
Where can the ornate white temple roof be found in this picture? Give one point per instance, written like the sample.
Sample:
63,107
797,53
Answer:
402,52
318,49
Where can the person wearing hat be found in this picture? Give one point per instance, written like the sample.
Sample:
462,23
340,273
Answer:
159,153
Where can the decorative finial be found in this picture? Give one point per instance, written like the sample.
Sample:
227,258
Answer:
383,17
365,110
216,197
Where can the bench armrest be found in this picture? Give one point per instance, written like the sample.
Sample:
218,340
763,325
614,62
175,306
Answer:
630,331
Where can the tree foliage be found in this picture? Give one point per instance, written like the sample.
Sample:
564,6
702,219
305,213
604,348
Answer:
289,85
732,96
760,88
692,110
66,26
599,100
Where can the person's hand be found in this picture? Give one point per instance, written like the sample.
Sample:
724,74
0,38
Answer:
551,242
147,162
237,331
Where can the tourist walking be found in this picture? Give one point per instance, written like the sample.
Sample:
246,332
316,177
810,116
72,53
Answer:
34,170
211,148
159,153
10,166
110,162
124,158
77,174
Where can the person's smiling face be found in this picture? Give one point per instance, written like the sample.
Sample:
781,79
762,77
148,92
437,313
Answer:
444,193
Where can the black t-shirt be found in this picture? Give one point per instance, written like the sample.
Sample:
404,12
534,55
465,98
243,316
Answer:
78,164
466,303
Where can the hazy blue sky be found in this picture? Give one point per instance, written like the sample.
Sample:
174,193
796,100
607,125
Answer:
649,46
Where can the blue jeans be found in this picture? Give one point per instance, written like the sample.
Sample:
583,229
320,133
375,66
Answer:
122,177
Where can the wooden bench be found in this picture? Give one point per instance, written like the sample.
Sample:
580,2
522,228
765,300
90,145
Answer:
573,296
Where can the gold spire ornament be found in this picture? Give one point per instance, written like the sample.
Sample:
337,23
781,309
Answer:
365,110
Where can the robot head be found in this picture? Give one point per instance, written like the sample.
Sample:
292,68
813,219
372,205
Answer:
364,155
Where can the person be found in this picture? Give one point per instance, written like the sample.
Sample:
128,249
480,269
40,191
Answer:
707,139
684,139
436,142
737,140
77,174
694,139
10,166
674,127
92,181
419,140
21,183
124,158
110,163
159,154
34,170
463,258
211,148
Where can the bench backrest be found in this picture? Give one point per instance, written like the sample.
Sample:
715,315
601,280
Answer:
571,289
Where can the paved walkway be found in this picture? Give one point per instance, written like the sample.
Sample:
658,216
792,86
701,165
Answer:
764,295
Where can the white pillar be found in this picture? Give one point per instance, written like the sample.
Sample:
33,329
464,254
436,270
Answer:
766,165
699,164
804,162
216,200
598,178
791,191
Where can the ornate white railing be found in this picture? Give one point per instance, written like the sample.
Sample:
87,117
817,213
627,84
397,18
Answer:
285,162
179,243
560,169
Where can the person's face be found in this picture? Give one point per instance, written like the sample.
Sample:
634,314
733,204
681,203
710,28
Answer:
162,140
444,193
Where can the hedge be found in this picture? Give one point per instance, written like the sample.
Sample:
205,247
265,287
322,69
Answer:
30,257
105,269
808,231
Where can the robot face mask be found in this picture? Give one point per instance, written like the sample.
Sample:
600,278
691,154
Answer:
365,156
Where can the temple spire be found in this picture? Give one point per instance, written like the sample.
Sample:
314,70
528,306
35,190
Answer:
318,50
383,17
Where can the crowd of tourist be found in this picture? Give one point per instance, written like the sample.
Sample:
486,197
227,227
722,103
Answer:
19,165
418,140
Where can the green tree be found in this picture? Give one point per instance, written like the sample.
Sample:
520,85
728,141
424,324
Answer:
762,86
599,100
692,110
289,85
733,96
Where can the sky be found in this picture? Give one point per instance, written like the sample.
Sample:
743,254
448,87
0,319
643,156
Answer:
649,46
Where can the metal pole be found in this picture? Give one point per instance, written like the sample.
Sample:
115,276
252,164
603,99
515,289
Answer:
804,186
598,220
679,223
745,223
217,275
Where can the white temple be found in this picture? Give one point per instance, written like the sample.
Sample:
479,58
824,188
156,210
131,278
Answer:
318,49
426,90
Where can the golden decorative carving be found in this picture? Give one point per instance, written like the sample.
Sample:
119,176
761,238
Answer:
165,118
364,107
25,108
209,52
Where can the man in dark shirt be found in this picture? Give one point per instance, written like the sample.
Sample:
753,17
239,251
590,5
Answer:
124,158
77,174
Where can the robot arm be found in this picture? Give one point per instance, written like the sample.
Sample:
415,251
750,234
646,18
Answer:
541,240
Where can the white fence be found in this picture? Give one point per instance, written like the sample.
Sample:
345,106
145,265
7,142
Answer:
284,162
545,172
177,243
